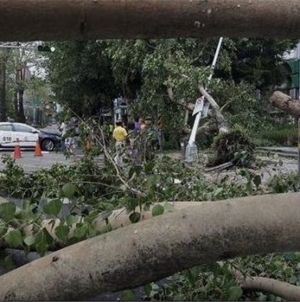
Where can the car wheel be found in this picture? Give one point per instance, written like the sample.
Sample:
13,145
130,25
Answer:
48,144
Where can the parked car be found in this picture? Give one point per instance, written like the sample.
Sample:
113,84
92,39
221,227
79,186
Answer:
11,132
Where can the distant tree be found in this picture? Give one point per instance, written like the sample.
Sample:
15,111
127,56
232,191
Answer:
81,77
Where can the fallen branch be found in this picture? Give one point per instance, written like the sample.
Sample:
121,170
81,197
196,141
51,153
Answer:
219,167
216,111
189,106
285,102
159,247
267,285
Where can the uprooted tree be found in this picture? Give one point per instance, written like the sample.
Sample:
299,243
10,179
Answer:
156,248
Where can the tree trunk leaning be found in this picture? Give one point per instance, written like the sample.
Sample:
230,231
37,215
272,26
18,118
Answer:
52,20
216,111
285,102
158,247
3,116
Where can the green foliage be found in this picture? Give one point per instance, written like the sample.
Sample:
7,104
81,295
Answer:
157,210
283,135
86,75
81,77
217,281
94,189
284,183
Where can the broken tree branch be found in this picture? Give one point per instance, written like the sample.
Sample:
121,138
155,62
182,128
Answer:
130,256
285,102
216,111
278,288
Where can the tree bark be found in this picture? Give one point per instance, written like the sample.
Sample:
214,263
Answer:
285,102
85,19
3,107
21,106
278,288
158,247
16,105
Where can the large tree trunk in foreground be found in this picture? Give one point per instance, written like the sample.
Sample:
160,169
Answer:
285,102
158,247
31,20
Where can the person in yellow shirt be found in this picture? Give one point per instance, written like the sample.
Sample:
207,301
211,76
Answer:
120,135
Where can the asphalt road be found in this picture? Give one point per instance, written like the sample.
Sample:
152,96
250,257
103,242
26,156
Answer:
32,163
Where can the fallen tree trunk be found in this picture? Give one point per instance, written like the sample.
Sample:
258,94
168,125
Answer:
158,247
31,20
285,102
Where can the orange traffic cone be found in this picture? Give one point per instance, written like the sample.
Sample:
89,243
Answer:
17,151
38,150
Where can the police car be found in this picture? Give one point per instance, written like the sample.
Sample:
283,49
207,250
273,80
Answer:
12,133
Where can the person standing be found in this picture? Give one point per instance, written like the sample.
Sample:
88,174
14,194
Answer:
120,136
63,131
137,126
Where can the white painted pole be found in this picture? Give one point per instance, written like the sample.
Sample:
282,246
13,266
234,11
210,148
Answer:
198,116
192,139
196,121
213,65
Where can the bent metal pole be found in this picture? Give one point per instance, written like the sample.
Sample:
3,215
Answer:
190,153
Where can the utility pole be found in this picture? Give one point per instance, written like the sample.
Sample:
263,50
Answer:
191,152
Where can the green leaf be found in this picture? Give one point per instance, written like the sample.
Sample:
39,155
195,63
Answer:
135,217
69,190
71,219
152,181
53,206
158,209
62,231
43,240
14,238
9,262
7,210
30,240
3,228
218,191
128,295
234,293
147,289
81,231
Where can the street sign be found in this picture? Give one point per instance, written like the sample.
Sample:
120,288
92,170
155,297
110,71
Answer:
199,105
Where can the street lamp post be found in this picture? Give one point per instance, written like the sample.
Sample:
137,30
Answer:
191,152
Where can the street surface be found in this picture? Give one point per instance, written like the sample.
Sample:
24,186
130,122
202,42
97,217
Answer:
32,163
